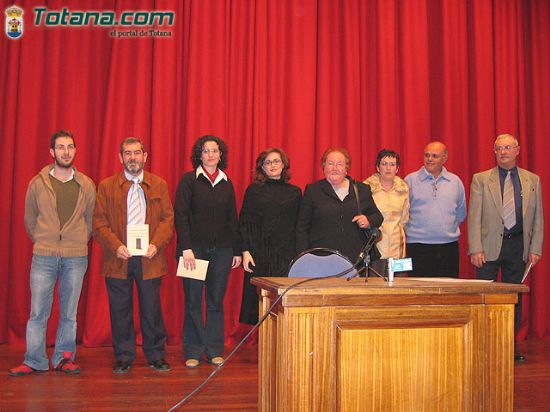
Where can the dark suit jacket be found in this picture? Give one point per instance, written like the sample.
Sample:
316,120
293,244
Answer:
325,220
485,219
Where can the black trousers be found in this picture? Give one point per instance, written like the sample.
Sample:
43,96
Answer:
438,260
121,292
510,262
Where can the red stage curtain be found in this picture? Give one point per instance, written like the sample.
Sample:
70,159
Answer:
300,74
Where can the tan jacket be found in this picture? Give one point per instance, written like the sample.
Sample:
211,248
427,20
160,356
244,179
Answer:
394,205
110,220
485,220
42,221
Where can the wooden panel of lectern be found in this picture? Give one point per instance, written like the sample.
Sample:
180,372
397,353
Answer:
417,344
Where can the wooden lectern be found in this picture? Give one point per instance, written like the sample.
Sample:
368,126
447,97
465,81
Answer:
414,345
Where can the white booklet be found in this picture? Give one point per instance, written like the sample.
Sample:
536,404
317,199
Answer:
199,273
137,239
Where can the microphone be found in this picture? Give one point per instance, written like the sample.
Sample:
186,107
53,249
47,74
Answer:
373,236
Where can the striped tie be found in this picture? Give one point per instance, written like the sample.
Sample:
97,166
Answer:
134,209
508,203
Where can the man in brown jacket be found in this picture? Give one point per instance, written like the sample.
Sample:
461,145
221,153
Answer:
134,197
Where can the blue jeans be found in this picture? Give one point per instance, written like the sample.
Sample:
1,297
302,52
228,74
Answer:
45,271
200,336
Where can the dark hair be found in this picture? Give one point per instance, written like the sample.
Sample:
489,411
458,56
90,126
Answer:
196,152
131,140
58,134
261,176
339,150
387,153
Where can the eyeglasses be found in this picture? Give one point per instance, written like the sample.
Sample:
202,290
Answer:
63,147
274,162
210,151
504,148
136,153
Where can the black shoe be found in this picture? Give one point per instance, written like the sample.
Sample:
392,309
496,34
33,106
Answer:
121,367
518,357
160,365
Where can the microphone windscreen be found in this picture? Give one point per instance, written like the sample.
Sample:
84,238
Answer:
374,232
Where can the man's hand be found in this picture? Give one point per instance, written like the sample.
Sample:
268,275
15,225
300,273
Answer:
151,251
477,259
123,253
534,258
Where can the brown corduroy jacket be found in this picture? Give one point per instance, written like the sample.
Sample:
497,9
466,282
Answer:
109,223
42,220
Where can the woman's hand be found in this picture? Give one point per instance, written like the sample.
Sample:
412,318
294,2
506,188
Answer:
189,259
247,260
362,221
236,262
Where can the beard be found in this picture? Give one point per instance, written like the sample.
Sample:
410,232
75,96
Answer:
134,166
64,162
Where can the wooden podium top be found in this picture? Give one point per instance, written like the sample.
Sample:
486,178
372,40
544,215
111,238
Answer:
357,292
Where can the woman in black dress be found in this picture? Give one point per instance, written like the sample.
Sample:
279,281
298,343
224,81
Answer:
267,225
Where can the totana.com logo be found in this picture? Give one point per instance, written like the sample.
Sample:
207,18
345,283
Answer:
14,22
146,23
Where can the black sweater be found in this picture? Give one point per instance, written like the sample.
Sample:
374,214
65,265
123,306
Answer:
325,220
205,215
267,225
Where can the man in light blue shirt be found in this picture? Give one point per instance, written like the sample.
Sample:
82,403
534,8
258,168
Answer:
438,206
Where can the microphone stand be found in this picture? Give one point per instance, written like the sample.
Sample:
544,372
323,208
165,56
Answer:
364,255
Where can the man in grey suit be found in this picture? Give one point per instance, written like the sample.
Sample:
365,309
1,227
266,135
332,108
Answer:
505,223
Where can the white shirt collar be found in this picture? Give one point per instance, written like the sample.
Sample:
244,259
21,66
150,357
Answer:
62,181
220,176
132,177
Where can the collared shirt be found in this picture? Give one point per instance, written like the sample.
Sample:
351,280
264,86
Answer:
437,207
221,175
137,179
517,196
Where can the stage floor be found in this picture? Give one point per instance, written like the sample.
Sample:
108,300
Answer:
233,389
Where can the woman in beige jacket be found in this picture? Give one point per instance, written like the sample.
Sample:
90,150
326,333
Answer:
391,195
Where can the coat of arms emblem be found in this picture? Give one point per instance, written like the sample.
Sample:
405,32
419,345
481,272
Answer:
14,22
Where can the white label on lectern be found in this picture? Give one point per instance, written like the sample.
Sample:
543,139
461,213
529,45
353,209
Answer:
401,265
